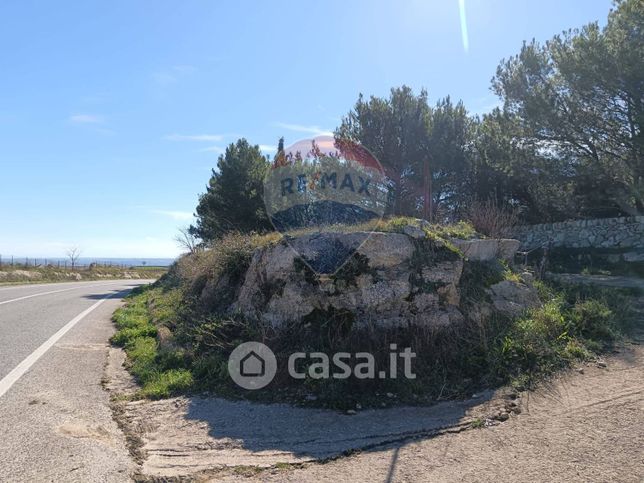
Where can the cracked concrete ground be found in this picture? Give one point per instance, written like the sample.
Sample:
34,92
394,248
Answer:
586,425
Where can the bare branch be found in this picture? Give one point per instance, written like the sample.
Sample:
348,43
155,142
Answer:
73,254
186,240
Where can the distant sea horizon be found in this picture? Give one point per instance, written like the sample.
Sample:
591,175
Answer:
84,261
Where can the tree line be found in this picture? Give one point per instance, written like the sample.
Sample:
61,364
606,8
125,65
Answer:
566,142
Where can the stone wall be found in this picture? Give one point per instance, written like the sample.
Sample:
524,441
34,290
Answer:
620,233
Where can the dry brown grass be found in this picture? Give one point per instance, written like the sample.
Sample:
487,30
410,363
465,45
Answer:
492,219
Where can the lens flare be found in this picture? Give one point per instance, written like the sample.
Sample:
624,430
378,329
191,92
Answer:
464,36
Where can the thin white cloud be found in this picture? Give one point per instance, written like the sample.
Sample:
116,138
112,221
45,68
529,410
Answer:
268,148
86,119
211,138
315,130
175,214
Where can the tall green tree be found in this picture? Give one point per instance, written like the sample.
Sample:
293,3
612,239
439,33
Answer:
233,200
394,129
447,152
506,171
580,98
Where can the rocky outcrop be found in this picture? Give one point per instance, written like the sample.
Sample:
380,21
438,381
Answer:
512,298
381,279
371,279
488,249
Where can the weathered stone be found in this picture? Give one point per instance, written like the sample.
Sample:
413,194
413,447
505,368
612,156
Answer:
480,250
165,338
527,278
414,231
423,301
488,249
386,249
480,312
634,257
449,294
513,298
508,248
380,286
624,232
444,272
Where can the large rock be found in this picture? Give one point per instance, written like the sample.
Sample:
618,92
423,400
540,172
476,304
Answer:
379,279
488,249
374,276
513,298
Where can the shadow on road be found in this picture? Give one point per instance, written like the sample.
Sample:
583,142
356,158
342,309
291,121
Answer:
112,293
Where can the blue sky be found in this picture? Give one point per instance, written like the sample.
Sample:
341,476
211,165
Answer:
113,113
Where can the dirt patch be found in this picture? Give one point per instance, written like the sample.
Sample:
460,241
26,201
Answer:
122,386
116,379
82,429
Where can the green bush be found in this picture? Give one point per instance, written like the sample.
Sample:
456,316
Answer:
593,320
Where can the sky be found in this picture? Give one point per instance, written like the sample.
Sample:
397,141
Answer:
112,114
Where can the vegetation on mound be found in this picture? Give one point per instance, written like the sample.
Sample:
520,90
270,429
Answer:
396,224
175,345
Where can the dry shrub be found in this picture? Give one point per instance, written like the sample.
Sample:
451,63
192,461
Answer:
229,255
492,219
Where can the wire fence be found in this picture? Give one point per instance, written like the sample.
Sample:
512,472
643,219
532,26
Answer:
18,263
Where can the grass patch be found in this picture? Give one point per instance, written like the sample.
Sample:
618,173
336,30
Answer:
477,423
167,383
162,372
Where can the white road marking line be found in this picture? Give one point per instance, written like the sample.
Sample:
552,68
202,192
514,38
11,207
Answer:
11,378
36,295
50,292
4,288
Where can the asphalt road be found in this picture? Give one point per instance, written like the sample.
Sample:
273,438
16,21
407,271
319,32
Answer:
55,420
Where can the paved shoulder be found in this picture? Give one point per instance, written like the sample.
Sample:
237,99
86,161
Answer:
56,421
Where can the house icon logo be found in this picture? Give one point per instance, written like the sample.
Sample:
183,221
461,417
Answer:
252,365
